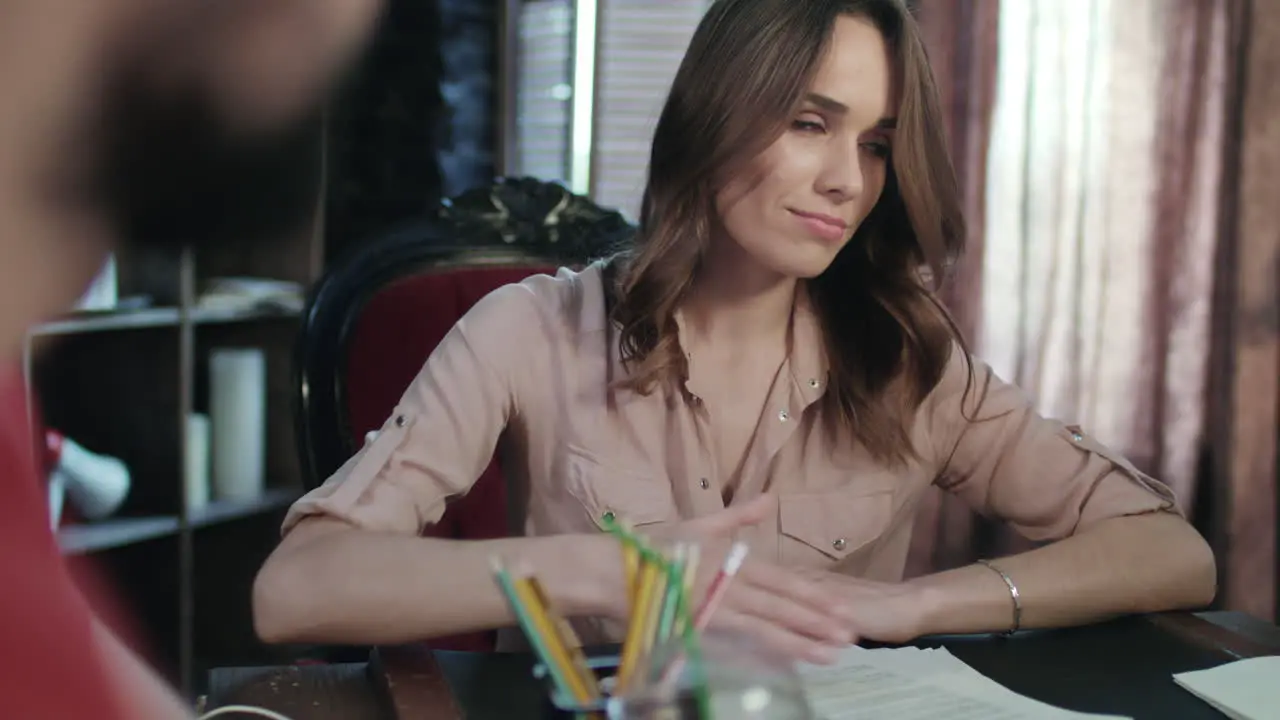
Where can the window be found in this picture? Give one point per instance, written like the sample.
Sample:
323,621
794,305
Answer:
543,89
641,43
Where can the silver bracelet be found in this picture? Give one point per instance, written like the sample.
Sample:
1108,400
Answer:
1013,592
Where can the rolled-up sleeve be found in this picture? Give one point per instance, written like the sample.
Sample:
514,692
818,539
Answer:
1046,478
443,432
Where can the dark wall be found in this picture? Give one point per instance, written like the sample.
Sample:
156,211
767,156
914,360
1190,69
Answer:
469,63
415,121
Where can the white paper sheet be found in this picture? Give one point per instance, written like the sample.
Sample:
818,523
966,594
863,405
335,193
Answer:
1241,690
915,684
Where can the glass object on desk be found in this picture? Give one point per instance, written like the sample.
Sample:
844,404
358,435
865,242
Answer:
737,678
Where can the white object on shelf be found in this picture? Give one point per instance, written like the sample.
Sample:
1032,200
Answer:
196,470
103,291
245,293
237,419
57,497
96,484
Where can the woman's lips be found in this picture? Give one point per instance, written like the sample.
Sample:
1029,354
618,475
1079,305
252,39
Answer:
826,227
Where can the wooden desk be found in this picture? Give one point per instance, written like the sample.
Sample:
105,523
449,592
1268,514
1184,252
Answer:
1121,666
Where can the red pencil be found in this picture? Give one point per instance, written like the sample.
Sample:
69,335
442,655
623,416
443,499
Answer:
719,585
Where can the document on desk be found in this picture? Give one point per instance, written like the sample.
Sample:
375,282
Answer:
917,684
1241,690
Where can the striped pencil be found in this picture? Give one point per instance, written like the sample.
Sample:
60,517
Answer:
719,586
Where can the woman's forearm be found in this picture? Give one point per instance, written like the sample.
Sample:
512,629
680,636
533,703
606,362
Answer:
330,583
1124,565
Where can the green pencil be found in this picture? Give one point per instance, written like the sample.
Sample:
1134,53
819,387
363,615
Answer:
530,630
675,587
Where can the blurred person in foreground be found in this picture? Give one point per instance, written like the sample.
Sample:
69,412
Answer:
131,123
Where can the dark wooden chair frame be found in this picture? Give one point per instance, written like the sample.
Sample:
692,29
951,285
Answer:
513,222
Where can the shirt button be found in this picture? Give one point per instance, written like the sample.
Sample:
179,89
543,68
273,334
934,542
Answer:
399,421
1078,437
813,382
839,544
608,516
783,415
704,483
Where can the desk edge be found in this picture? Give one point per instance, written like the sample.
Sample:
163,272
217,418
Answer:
412,684
1200,630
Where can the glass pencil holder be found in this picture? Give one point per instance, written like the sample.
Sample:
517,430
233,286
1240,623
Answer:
560,706
733,679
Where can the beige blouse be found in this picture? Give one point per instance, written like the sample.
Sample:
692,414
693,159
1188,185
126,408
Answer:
528,371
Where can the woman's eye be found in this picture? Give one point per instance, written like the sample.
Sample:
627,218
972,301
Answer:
811,126
878,149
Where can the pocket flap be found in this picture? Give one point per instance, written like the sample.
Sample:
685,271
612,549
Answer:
628,496
837,522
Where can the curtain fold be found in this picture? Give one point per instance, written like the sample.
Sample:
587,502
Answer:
1245,398
961,39
1102,211
1096,215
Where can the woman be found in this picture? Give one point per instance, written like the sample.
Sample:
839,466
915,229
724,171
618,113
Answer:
766,362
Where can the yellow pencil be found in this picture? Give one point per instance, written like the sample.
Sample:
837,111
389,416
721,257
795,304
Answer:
551,639
690,577
524,615
568,638
653,611
632,644
631,562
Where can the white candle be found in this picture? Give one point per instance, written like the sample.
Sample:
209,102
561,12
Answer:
237,418
196,473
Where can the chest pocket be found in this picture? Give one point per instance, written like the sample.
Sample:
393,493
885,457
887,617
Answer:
822,529
608,491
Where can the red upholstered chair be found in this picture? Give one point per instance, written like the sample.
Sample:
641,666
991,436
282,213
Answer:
373,320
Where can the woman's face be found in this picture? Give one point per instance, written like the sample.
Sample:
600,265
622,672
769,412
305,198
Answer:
792,208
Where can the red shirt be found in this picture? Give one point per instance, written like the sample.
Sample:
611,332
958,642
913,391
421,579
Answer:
49,665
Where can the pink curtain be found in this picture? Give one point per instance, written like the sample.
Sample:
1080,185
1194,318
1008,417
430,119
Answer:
1104,183
1245,389
961,36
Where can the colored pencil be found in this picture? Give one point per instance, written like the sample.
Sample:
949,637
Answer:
557,669
653,610
633,642
631,565
569,638
719,585
670,598
578,689
690,577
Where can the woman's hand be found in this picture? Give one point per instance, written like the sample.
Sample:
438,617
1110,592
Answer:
794,614
880,611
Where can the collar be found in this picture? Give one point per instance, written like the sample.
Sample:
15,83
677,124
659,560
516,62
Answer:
806,360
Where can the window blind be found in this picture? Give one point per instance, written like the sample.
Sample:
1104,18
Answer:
640,45
543,75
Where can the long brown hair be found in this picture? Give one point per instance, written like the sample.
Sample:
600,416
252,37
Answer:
887,337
